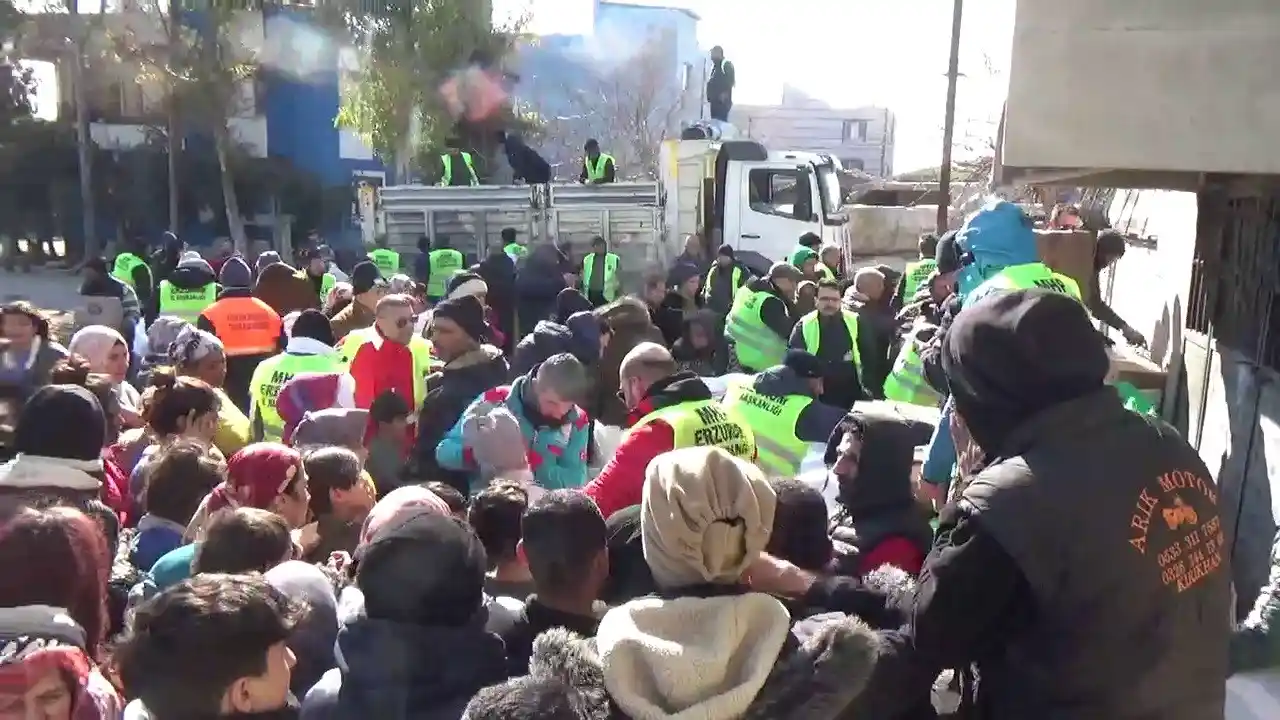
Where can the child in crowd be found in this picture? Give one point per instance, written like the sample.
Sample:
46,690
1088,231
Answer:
389,416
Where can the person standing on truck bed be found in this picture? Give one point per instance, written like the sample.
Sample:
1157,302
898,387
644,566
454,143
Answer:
457,166
720,85
597,167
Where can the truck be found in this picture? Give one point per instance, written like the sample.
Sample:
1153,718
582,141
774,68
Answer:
758,200
887,218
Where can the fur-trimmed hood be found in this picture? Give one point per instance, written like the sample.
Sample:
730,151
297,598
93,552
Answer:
824,666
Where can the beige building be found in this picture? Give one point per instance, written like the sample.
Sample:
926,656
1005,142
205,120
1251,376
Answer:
861,138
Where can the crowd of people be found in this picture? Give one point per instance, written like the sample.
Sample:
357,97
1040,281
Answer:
401,499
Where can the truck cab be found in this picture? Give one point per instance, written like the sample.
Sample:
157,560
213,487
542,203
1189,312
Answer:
738,192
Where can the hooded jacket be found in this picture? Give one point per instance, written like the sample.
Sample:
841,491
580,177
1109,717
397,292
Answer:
540,280
709,361
498,271
817,420
621,481
1085,514
824,665
449,391
629,325
878,521
192,275
580,337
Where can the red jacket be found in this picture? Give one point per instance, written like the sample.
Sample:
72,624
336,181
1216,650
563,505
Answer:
379,365
620,483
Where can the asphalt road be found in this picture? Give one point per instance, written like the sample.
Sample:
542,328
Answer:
45,288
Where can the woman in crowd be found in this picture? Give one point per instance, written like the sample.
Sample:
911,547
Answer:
46,670
115,481
108,354
175,408
59,440
199,354
702,349
267,476
27,356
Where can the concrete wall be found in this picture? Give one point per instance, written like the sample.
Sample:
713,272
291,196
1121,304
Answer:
1230,405
1175,85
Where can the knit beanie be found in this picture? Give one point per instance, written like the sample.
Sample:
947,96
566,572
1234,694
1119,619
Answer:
269,257
726,251
61,421
364,277
422,568
313,324
343,427
465,283
467,312
191,260
704,517
235,273
497,444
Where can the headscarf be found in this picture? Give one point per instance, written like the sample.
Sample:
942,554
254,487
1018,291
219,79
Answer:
256,476
400,284
193,345
94,343
313,638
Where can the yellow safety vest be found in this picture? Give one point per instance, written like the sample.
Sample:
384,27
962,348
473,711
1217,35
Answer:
610,285
271,375
445,263
597,172
419,346
124,266
186,304
735,279
446,160
388,261
773,421
824,272
914,274
812,334
758,348
906,383
515,250
1031,275
701,423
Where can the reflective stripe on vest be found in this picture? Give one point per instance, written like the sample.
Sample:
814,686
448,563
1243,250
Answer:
271,375
124,266
245,325
419,347
811,331
609,287
446,160
1031,275
700,423
597,172
914,274
714,273
388,261
757,347
773,421
444,264
184,303
906,383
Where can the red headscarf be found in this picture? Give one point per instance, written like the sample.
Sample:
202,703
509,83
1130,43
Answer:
256,476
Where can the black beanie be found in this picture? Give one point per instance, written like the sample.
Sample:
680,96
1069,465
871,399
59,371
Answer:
61,421
726,250
313,324
364,276
467,312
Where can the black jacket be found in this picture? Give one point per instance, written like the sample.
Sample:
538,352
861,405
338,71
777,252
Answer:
535,619
526,163
498,271
449,392
711,360
843,378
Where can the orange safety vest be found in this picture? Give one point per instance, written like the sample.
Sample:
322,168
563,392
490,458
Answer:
245,325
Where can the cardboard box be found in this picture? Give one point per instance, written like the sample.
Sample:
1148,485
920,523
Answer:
1069,252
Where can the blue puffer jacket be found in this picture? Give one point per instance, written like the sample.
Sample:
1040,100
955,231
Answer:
557,452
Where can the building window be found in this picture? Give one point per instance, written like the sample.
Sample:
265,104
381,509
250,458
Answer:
855,130
853,163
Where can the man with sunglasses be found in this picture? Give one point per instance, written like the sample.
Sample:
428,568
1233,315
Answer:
389,357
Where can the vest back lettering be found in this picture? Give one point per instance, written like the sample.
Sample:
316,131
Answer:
771,404
1052,283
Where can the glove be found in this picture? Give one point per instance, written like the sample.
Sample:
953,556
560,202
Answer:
1133,337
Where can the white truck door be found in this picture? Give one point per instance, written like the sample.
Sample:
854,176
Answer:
775,207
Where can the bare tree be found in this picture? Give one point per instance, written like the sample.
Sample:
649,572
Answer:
630,107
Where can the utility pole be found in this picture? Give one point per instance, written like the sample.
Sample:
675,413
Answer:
949,121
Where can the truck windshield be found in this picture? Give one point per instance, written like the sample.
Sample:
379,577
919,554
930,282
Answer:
829,187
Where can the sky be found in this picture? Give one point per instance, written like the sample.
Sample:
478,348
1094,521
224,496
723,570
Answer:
849,53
